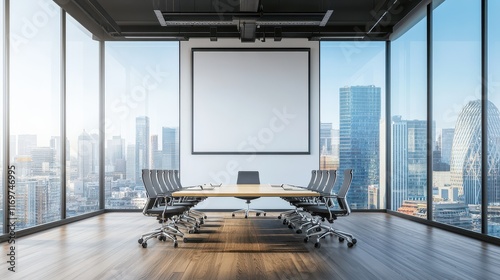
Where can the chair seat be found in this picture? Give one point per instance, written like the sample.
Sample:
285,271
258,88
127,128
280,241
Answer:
324,211
170,210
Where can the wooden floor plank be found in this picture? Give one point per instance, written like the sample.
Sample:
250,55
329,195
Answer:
389,247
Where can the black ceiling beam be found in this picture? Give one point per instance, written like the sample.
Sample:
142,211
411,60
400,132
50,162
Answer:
100,10
225,28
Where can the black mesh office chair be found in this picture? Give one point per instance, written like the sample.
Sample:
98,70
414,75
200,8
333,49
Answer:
248,177
329,211
157,206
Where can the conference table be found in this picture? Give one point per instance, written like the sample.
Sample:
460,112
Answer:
245,190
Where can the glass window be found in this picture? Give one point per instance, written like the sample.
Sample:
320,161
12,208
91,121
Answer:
35,40
409,122
493,119
352,99
456,189
2,208
142,117
82,120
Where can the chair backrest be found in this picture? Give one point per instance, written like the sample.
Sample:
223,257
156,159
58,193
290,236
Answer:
155,177
248,177
165,174
322,182
175,179
332,177
342,194
148,184
317,180
314,176
150,191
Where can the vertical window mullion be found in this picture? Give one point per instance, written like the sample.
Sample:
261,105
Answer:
484,117
62,140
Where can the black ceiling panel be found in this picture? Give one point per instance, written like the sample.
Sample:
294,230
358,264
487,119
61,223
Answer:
184,19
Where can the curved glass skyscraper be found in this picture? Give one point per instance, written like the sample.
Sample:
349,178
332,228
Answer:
465,163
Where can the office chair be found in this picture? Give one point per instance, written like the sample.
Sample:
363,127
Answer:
321,180
313,182
157,206
248,177
329,212
174,180
185,220
326,191
291,200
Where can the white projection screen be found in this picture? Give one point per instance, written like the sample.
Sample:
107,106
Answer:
250,101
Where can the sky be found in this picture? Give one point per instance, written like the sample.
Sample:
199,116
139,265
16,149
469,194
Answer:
35,60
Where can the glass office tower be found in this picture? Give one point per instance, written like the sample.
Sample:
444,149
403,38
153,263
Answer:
466,153
141,147
409,160
359,140
170,148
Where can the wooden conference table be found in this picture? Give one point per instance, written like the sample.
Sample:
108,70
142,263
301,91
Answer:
245,190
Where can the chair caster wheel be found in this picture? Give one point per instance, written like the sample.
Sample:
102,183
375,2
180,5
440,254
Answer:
306,239
354,241
185,240
257,214
350,244
317,245
232,215
176,244
318,229
191,231
144,245
140,241
290,226
341,239
205,217
264,214
162,238
246,216
279,217
284,221
299,231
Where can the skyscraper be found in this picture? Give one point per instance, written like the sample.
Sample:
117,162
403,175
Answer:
399,163
43,162
155,155
55,143
88,155
359,140
466,153
141,146
409,160
325,138
115,154
130,163
26,142
446,143
170,148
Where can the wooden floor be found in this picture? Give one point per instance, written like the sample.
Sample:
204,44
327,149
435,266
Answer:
389,247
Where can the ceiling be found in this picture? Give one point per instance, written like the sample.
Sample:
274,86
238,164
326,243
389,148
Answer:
247,20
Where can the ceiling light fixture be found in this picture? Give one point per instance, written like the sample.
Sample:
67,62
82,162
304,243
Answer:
325,19
160,17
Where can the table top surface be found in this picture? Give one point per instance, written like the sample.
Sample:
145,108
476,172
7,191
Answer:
245,190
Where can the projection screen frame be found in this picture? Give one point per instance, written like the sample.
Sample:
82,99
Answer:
305,152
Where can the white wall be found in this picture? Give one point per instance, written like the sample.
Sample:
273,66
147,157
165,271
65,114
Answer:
198,169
